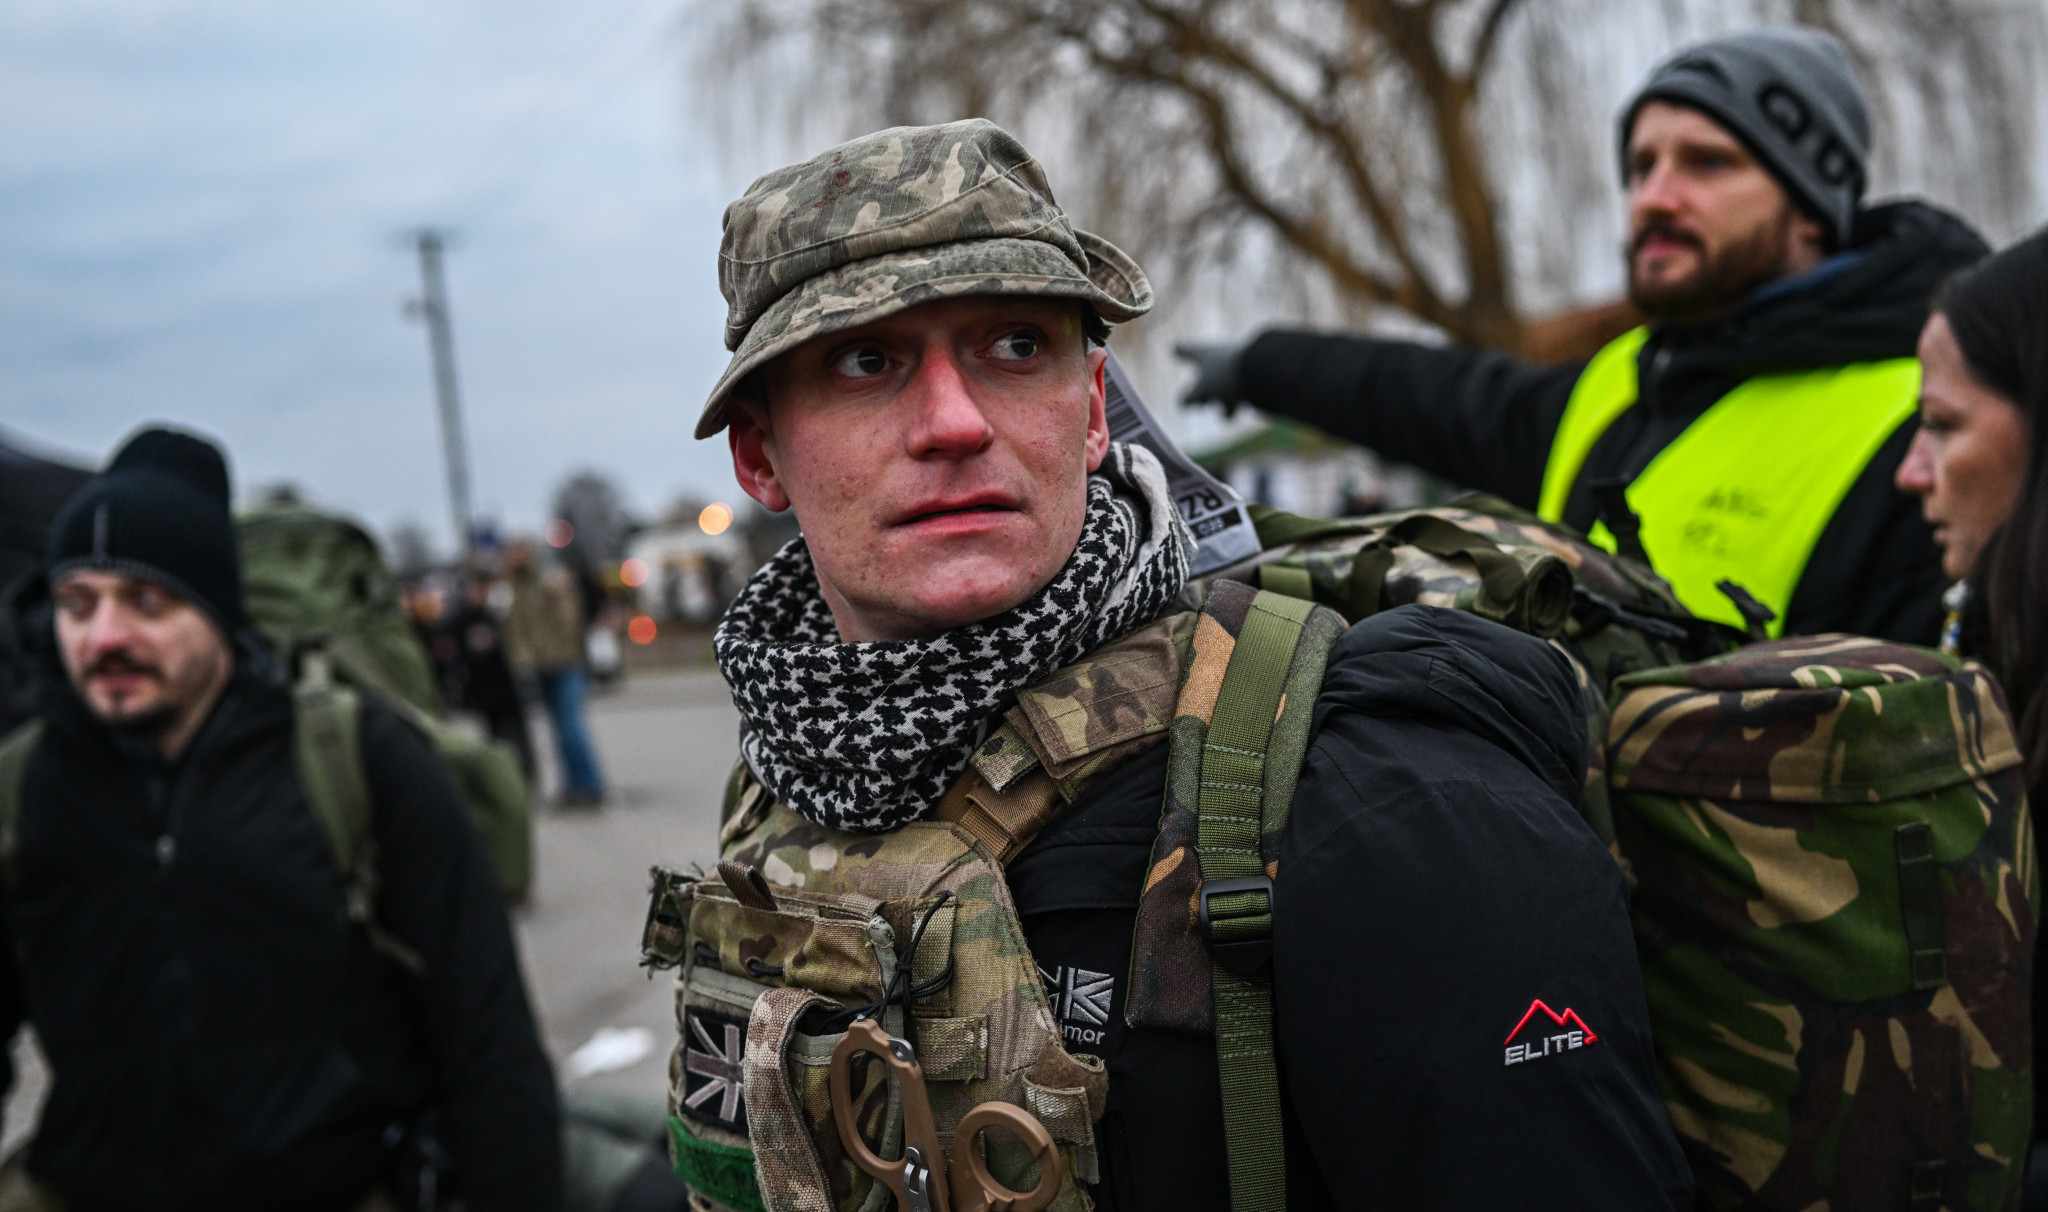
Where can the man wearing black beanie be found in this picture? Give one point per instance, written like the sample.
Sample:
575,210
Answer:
1754,424
236,1015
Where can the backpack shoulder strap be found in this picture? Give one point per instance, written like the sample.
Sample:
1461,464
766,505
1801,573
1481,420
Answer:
1251,757
15,749
327,754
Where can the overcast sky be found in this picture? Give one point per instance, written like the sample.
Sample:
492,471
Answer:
200,210
201,207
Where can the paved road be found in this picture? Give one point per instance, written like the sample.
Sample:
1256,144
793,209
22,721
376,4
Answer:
667,742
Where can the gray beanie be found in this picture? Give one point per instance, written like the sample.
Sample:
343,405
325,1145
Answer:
1790,96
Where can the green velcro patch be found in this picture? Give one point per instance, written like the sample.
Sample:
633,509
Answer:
721,1172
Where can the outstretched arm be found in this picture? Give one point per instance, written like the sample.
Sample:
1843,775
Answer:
1475,417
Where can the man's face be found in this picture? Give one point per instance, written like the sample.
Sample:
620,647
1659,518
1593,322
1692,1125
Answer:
937,459
143,659
1707,224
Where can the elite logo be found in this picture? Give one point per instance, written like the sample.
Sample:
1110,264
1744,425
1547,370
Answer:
714,1085
1080,1000
1573,1033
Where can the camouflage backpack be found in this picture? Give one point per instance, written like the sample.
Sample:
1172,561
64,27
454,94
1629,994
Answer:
1830,848
316,583
1612,615
1835,914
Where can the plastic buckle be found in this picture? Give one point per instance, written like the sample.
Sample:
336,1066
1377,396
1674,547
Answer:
1244,956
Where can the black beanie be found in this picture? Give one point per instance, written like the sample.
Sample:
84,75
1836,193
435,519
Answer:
160,512
1789,95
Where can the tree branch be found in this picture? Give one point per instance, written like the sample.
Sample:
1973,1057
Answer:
1488,38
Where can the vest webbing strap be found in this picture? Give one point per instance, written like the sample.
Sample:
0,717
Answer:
15,749
1237,896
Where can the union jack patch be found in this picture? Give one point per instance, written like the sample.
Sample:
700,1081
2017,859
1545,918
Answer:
714,1085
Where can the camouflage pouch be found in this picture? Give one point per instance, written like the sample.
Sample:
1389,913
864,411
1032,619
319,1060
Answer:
801,925
1835,915
1360,566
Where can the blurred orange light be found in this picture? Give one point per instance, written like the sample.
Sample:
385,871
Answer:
561,533
633,573
641,630
715,518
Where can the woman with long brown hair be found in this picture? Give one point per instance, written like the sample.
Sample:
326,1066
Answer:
1980,468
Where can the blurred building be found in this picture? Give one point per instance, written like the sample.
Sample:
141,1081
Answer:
680,572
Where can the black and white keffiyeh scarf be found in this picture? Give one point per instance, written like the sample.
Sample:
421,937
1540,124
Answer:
867,736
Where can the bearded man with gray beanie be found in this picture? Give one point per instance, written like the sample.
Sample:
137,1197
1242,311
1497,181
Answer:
1754,425
227,1024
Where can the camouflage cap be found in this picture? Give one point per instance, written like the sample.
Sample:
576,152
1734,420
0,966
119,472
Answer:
894,219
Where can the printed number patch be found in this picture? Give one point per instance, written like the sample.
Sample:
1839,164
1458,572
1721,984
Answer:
714,1087
1547,1034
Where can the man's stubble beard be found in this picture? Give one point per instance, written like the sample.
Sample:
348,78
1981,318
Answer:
149,724
1724,278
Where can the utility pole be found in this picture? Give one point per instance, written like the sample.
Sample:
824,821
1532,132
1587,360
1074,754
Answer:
432,306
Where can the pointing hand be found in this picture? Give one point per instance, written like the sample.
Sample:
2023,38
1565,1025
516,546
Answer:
1216,367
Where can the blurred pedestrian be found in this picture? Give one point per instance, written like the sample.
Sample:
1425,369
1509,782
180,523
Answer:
477,638
269,969
32,490
1757,420
1980,468
544,637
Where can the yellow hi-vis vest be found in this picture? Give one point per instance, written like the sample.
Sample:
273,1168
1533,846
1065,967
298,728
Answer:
1745,491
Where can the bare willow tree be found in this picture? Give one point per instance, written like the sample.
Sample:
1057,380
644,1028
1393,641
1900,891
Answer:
1375,157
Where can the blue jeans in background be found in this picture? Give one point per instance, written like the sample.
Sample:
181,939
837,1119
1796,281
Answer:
563,694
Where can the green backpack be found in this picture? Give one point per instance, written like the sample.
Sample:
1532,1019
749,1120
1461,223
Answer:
316,583
1835,912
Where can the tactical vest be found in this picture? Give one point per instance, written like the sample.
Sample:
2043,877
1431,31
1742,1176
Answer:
801,928
1745,491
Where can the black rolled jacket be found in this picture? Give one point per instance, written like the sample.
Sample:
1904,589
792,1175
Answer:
1486,420
1435,883
219,1034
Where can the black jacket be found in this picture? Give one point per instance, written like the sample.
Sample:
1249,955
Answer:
219,1034
1485,420
1435,881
